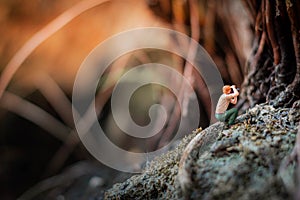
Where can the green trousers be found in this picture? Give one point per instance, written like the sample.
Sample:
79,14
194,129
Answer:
229,116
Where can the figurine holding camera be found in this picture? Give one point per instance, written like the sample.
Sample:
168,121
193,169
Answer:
230,94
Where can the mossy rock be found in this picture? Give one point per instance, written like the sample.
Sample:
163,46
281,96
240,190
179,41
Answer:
243,162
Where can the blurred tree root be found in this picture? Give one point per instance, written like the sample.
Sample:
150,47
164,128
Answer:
272,28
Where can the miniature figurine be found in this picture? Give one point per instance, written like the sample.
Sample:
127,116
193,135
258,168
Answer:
222,114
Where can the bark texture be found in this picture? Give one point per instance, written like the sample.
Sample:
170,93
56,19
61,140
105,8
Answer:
274,62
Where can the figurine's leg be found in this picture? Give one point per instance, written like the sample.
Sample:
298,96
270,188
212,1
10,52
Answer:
220,117
231,115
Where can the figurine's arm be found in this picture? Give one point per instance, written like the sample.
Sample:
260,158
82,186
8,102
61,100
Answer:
233,100
233,97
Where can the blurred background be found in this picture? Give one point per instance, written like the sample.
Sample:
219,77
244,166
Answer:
37,135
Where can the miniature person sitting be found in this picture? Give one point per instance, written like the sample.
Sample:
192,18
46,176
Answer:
222,114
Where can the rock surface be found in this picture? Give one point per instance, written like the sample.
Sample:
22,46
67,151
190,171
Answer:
244,162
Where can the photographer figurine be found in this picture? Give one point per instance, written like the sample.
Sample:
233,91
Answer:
222,114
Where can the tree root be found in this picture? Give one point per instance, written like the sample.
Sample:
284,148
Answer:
201,142
279,22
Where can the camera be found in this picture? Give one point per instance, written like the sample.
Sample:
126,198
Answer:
231,91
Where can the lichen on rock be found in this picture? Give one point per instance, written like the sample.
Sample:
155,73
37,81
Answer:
242,163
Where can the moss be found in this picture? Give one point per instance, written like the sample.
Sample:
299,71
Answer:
243,162
157,181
